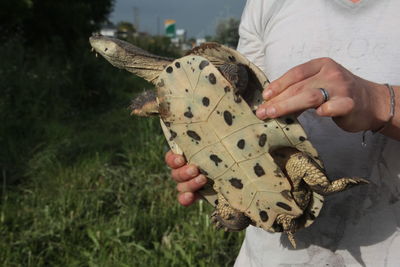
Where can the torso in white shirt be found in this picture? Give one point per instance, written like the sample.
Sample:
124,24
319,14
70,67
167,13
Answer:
360,226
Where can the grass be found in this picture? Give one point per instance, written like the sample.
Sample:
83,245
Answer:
112,209
92,188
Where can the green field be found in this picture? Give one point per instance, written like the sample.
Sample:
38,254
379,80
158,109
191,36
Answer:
82,182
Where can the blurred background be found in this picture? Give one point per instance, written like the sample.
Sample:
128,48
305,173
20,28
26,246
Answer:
81,182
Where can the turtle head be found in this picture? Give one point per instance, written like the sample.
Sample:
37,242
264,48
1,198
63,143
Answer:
145,105
126,56
113,50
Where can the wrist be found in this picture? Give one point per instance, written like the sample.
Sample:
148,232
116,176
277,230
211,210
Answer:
384,106
381,103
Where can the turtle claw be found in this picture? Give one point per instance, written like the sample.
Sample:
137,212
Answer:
214,219
291,239
359,181
218,225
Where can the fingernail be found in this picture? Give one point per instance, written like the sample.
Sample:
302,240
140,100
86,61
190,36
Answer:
267,94
261,112
270,111
200,179
179,161
191,171
187,196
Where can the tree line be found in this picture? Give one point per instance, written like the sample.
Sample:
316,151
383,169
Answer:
50,82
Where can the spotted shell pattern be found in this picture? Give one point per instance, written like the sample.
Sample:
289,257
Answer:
219,133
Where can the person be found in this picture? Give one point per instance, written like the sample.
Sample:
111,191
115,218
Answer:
315,53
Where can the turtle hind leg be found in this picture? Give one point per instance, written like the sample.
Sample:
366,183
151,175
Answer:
289,227
300,165
339,185
227,218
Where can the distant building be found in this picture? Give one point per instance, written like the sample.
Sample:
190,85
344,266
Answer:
200,41
108,30
181,35
180,39
186,47
122,34
125,30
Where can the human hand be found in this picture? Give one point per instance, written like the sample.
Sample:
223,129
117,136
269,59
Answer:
187,176
354,104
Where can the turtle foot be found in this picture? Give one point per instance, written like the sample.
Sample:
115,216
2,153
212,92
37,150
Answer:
343,184
234,223
227,218
289,227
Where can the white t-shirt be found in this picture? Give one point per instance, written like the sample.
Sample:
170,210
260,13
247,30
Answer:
358,227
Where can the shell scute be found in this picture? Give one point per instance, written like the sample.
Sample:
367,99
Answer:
215,160
229,117
196,136
275,137
187,96
234,181
244,143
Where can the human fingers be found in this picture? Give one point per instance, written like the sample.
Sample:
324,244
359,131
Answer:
336,107
184,173
342,111
187,198
295,89
174,160
192,185
308,98
295,75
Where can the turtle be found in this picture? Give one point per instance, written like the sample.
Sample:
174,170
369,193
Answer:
263,173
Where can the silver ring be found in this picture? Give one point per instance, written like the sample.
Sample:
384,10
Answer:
325,94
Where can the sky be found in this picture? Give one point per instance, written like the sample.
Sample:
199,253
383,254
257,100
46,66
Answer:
198,17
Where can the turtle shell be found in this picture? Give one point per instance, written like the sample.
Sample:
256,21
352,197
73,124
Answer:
219,132
219,54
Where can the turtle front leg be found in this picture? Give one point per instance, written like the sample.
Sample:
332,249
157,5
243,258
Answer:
301,165
145,104
227,218
289,227
237,75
